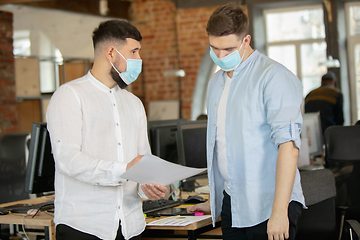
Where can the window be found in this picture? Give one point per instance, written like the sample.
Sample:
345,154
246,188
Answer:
21,43
353,36
295,37
49,56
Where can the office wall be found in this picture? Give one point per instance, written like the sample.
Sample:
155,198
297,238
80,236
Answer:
8,110
172,39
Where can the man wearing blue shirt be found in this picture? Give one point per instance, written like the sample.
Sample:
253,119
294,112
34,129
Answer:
253,136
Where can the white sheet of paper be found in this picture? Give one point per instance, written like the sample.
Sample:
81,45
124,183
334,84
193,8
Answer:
177,220
152,169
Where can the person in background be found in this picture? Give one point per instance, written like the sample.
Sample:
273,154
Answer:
98,130
328,100
201,117
253,136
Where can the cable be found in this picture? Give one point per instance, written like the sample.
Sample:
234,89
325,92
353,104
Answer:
47,213
23,227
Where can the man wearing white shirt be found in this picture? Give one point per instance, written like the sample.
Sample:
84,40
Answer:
98,130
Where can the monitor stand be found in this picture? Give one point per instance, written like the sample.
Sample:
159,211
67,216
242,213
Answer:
188,186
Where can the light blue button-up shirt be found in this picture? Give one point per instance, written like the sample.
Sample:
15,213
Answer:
263,111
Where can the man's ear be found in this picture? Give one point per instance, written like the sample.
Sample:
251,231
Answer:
110,53
247,40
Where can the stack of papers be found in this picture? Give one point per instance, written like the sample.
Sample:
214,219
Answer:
178,220
152,169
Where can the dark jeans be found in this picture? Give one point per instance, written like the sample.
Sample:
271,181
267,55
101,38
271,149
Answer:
64,232
257,232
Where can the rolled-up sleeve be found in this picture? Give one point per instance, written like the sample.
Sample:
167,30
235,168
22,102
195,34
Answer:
283,98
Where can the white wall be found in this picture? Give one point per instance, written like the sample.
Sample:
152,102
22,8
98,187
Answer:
71,33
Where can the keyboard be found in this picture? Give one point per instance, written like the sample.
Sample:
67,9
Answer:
156,205
24,208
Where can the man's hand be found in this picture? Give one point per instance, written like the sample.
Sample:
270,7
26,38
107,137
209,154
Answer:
201,207
278,227
133,162
154,192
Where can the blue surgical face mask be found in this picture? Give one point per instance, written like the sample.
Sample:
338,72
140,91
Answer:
229,62
133,69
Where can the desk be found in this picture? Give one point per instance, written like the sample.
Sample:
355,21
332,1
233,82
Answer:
191,232
44,221
40,221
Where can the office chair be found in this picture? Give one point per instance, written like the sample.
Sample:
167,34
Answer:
319,220
13,166
342,157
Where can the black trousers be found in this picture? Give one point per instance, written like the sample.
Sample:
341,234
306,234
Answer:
64,232
257,232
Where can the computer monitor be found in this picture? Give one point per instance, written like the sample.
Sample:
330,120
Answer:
192,143
40,169
163,139
192,149
311,130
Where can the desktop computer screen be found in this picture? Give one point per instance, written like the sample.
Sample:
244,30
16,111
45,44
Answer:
181,142
311,130
192,149
163,139
40,170
192,143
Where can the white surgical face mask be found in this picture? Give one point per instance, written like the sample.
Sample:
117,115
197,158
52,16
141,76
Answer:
133,69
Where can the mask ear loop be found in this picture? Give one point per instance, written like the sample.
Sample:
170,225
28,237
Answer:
114,67
242,58
120,54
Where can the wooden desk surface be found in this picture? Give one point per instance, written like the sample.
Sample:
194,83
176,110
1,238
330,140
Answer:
42,219
45,220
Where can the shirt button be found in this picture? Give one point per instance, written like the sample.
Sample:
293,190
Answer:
208,163
120,182
119,207
214,125
211,144
222,85
119,144
114,104
110,91
117,124
215,104
292,119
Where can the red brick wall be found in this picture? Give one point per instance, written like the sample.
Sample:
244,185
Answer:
193,42
172,39
8,111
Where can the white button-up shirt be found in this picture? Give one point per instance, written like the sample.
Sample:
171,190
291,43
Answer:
95,131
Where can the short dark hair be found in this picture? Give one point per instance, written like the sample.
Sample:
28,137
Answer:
228,19
329,76
115,30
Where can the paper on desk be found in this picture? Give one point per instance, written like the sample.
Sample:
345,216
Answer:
151,169
177,220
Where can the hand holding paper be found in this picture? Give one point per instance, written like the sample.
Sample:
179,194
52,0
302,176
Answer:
151,169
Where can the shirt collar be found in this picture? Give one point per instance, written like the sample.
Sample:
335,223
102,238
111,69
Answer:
247,61
99,84
242,65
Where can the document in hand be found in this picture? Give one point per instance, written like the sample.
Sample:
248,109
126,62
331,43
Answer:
152,169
